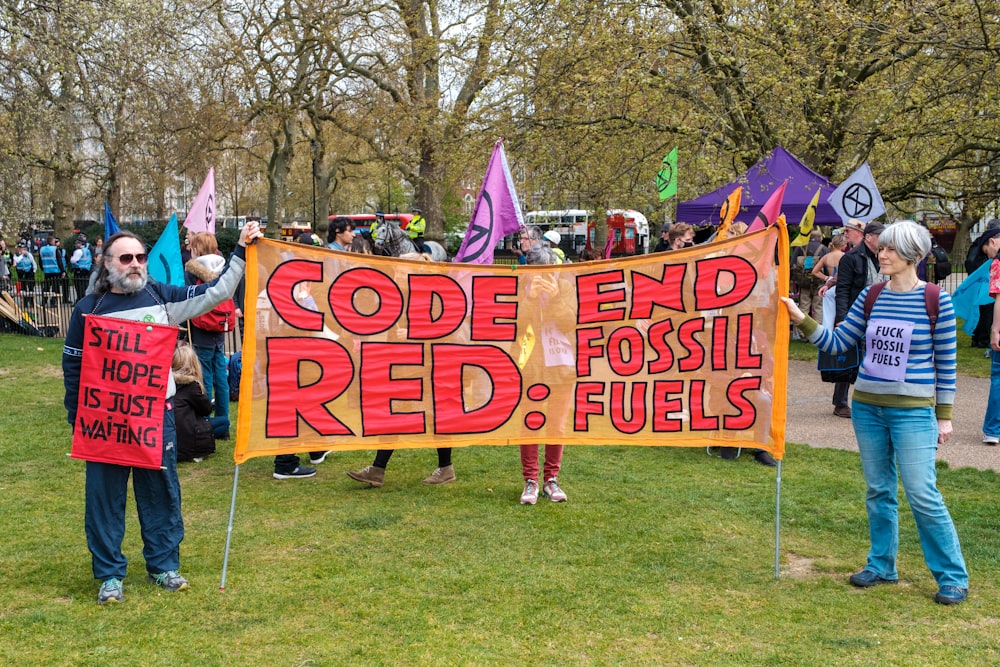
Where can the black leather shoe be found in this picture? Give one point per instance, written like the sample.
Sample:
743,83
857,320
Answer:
867,579
765,459
729,453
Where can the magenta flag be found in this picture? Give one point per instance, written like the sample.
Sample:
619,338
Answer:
497,212
201,217
771,209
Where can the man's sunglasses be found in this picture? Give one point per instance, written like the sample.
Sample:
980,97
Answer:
127,258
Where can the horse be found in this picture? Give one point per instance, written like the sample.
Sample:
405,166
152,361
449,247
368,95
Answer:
389,239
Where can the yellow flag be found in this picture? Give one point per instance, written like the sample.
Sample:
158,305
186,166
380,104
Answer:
806,224
728,212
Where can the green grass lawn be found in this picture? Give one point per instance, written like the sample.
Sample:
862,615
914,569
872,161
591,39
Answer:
660,557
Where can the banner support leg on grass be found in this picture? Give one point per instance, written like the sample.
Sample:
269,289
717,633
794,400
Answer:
229,529
777,523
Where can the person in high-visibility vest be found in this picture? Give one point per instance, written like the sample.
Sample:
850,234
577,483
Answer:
416,229
53,268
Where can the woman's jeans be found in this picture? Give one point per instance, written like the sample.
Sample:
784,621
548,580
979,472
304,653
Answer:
905,439
991,422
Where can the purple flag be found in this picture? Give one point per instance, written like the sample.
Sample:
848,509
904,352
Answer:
201,217
497,212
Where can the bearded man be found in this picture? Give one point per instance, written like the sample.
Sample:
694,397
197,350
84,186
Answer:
123,289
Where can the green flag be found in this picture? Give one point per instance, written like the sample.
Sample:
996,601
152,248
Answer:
666,178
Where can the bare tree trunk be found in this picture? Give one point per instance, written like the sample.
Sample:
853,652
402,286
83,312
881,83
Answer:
277,176
430,197
65,167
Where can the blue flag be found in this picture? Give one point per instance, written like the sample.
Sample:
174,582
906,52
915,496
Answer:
110,224
972,293
165,264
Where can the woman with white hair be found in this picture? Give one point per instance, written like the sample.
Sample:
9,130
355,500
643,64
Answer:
902,407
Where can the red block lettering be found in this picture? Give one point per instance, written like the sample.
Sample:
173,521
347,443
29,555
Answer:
636,406
666,292
664,406
747,414
584,406
279,290
699,420
487,309
500,385
586,350
288,399
626,348
708,276
379,389
388,304
686,337
430,294
592,299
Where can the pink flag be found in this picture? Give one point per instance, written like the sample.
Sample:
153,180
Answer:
770,211
610,244
201,217
497,212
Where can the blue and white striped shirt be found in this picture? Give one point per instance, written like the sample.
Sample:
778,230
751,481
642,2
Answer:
930,367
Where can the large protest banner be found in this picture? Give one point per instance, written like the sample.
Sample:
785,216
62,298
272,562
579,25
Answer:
124,375
346,351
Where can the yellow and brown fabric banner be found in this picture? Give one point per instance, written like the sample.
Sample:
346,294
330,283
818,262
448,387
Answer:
346,351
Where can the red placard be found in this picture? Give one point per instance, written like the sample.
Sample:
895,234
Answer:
123,388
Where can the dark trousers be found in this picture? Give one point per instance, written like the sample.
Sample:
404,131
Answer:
981,336
81,278
158,501
841,390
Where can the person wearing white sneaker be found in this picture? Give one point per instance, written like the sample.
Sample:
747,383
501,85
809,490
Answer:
989,245
545,356
552,491
530,494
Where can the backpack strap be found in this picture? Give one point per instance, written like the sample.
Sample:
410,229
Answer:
932,301
872,296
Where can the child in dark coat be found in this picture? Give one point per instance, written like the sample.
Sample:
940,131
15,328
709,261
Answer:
192,407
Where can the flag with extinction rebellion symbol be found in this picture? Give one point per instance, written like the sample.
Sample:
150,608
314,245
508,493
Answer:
858,197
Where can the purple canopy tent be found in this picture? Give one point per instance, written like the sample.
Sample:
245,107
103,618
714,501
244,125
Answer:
758,183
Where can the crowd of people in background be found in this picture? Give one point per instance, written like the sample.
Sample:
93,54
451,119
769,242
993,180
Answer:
65,276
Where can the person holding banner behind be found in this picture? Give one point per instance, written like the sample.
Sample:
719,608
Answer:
123,290
902,406
545,355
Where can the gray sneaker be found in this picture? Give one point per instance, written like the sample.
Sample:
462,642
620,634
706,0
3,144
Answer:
170,580
111,591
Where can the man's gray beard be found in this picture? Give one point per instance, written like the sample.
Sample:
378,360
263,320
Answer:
128,284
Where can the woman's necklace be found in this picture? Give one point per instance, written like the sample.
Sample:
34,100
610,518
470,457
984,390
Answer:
896,286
